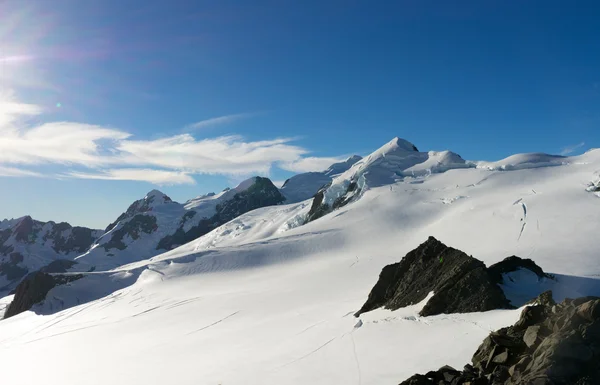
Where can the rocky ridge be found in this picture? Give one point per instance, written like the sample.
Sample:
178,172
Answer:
27,245
460,283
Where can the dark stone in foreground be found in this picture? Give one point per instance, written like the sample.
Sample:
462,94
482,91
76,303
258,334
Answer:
33,289
554,344
461,283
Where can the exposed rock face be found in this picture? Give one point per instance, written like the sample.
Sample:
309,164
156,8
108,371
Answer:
27,245
556,344
262,193
514,263
460,283
33,289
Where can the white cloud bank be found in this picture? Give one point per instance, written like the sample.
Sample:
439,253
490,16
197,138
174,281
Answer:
113,154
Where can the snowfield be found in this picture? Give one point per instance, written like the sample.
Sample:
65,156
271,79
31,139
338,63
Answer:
264,300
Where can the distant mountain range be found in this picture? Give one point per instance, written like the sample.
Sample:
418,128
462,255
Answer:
149,226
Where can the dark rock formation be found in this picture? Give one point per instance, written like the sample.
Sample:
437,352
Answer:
553,344
138,224
318,208
514,263
460,283
262,193
141,206
33,289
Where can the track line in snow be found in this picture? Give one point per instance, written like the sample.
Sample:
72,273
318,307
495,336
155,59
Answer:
65,332
310,327
214,323
184,302
145,311
308,354
66,317
356,359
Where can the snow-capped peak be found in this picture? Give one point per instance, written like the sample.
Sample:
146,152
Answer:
245,184
340,167
399,144
157,197
393,161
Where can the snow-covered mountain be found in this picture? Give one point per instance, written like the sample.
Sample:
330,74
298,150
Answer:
304,186
396,160
27,245
266,299
156,223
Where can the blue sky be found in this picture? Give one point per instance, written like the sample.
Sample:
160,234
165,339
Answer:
102,100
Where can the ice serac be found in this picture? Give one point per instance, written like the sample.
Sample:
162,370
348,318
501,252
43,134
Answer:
304,186
156,223
396,160
27,245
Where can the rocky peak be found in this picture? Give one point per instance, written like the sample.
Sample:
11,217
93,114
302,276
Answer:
23,229
460,283
157,197
399,144
152,200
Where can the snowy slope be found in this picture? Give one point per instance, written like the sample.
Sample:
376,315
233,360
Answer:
156,223
27,245
261,301
304,186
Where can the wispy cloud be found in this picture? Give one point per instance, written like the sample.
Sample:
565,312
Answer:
310,164
218,121
571,149
159,177
112,154
15,172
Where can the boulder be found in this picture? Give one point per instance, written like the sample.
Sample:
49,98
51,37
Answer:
33,289
532,352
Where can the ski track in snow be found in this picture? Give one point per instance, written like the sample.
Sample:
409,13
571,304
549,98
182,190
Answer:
308,354
214,323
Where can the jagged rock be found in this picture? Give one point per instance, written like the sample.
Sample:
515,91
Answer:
531,335
589,310
565,354
514,263
261,193
461,283
33,289
27,244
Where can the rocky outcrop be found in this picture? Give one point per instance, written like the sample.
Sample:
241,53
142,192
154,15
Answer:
33,289
514,263
261,193
551,344
460,283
